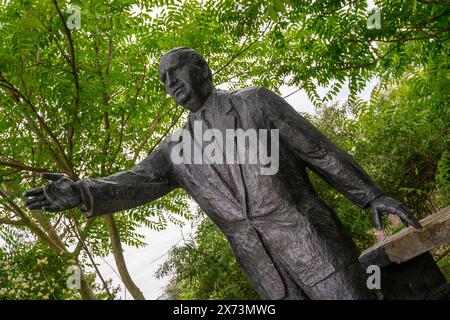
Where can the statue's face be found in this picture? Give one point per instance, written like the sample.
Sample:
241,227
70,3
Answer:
181,79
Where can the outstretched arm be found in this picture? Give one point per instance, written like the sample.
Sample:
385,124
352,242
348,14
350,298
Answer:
147,181
333,164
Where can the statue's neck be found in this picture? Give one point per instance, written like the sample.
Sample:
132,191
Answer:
205,97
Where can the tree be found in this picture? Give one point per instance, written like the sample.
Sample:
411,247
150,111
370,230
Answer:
30,271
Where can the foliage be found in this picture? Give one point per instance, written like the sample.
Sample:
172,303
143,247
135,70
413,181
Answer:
412,119
29,271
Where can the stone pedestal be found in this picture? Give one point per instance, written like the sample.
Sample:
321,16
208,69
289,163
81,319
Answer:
408,270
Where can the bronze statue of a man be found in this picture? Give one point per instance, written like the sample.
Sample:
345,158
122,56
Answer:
288,240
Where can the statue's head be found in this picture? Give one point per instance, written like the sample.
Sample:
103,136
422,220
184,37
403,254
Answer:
186,77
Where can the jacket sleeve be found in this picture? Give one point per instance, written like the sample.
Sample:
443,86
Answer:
331,163
147,181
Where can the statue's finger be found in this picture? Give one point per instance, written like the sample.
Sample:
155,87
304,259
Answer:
416,223
414,220
33,192
35,199
53,176
39,205
377,219
404,221
405,215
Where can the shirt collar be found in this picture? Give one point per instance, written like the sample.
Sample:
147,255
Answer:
212,103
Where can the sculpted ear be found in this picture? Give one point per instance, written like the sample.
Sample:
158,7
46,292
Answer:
206,73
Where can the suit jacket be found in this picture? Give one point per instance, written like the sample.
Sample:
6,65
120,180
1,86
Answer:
275,224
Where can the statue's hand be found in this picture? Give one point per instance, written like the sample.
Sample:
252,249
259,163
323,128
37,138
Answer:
385,205
61,194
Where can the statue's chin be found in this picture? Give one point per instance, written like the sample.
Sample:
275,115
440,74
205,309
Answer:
192,108
192,101
189,103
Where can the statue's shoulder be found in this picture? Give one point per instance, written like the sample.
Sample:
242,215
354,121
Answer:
252,95
250,92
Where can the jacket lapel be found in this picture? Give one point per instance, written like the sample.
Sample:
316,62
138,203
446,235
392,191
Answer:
227,119
224,112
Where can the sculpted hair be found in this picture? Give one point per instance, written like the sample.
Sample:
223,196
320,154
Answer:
193,57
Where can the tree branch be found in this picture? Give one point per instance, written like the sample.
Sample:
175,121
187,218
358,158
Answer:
125,121
154,126
91,258
17,95
12,222
71,49
119,258
74,71
242,50
23,167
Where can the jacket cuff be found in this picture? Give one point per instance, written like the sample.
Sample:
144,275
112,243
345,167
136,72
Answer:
371,197
86,199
